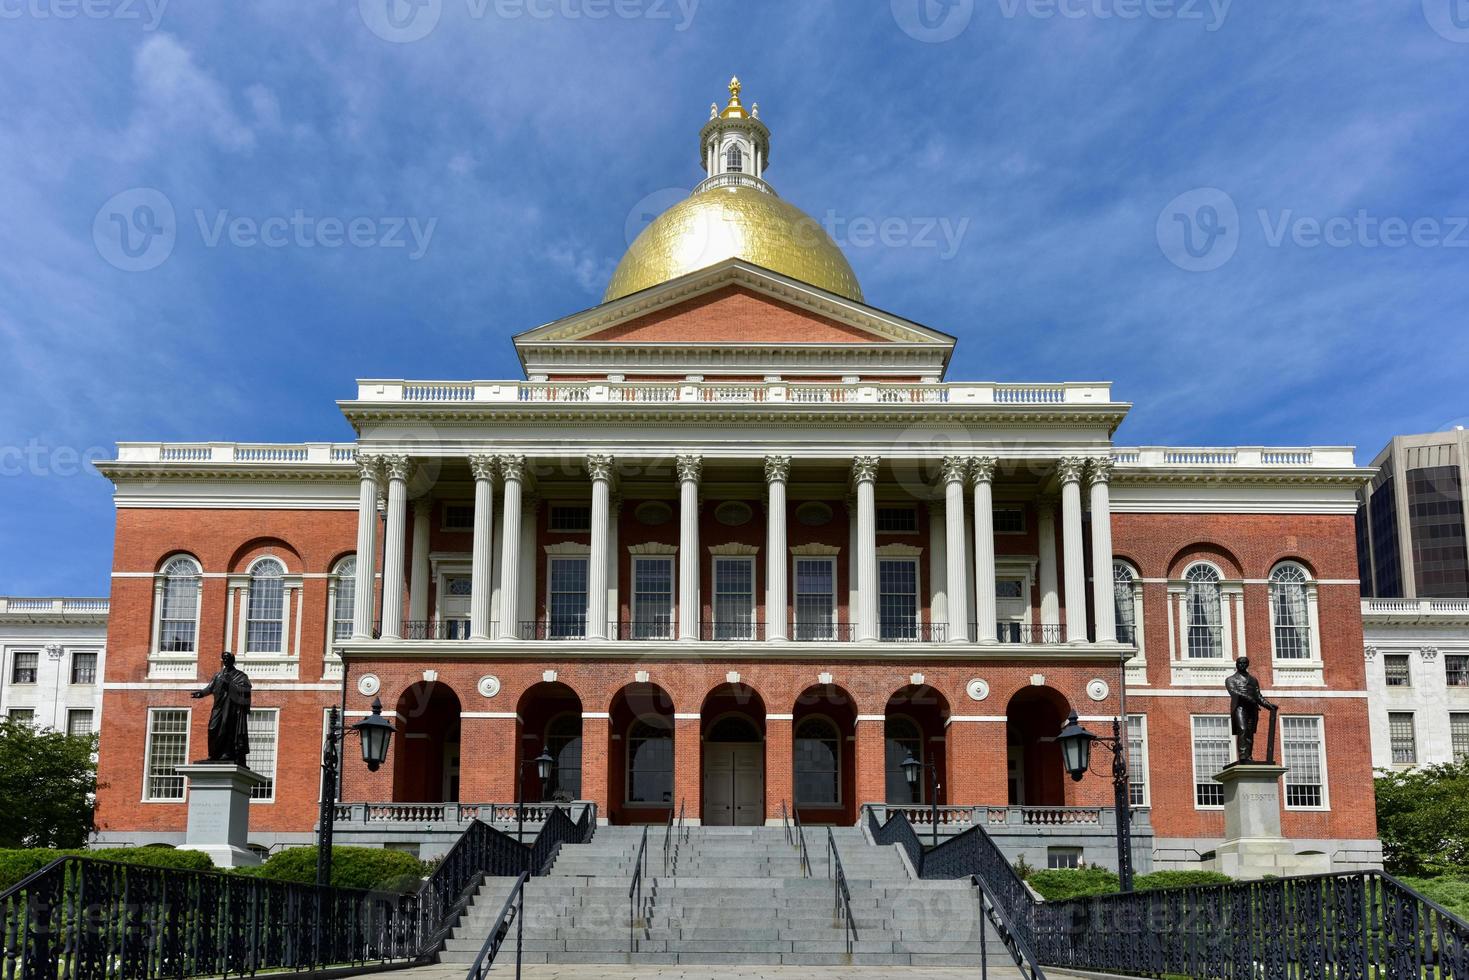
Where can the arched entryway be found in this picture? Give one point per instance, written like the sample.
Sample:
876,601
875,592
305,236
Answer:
550,721
823,755
426,769
1033,718
732,724
640,760
915,723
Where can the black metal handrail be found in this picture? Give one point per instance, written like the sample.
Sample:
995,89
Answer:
635,904
892,632
823,632
667,840
842,897
1025,634
801,842
732,631
785,822
512,910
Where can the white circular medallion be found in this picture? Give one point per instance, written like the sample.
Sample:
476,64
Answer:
978,689
1097,689
368,685
489,685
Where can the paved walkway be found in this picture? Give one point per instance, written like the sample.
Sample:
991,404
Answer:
602,971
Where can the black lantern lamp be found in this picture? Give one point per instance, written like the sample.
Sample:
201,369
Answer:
543,764
1076,755
543,769
912,770
377,734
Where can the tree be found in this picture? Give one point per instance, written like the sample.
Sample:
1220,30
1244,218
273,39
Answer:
1423,819
48,785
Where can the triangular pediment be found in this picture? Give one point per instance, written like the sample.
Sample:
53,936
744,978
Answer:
734,315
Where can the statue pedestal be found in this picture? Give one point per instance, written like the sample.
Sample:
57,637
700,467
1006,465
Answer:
1253,846
219,812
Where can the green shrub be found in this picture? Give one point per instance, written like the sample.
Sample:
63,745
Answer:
1451,892
372,868
1176,879
1059,884
17,864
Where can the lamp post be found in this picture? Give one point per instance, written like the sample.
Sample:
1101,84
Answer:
912,769
543,763
1076,752
376,733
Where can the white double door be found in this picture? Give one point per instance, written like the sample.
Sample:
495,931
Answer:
734,784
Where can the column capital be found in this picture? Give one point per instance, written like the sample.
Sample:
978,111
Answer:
1100,471
955,469
483,466
777,469
689,468
369,467
982,469
1070,469
396,467
599,466
512,467
864,469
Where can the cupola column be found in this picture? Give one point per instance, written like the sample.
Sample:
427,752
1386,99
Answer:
955,587
480,584
777,471
689,468
1069,471
362,598
396,469
864,475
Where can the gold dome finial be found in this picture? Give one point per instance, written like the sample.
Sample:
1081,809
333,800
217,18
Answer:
734,87
734,110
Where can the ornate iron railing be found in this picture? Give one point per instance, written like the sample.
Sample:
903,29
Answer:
512,911
635,916
84,919
842,897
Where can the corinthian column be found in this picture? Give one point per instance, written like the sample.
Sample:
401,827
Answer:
1050,597
983,475
1069,472
396,469
1100,474
777,471
512,471
480,574
956,587
864,475
600,470
689,469
367,475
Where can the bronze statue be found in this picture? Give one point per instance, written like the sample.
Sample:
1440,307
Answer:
229,734
1245,702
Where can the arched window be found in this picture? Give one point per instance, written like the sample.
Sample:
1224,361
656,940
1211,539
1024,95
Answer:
734,160
178,614
265,616
1124,601
818,763
1205,632
650,762
563,744
344,595
903,738
1288,613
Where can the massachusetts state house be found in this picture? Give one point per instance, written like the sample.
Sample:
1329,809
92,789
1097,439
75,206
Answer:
737,543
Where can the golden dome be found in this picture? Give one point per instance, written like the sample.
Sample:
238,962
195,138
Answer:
739,222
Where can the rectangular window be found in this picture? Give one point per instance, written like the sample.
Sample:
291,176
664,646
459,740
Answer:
1459,735
265,630
168,748
734,598
1403,738
815,594
458,517
567,599
897,520
84,668
1395,670
23,667
652,598
1137,759
1456,670
897,599
570,517
1058,858
1304,756
24,716
1009,520
263,725
79,721
1213,747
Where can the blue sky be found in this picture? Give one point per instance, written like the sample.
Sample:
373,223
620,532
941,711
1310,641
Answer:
1083,146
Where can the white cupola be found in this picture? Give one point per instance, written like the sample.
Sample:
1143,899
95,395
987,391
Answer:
735,145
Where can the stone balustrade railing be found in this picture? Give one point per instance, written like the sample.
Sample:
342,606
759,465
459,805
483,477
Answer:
1416,607
338,453
53,605
1236,456
446,814
996,819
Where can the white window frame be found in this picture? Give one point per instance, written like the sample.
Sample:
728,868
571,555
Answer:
1139,659
1413,730
71,663
831,562
1312,624
836,731
1147,786
444,524
1407,659
16,712
714,562
1454,754
583,556
333,584
148,754
275,756
917,597
160,586
13,666
1193,732
1185,653
1320,763
91,719
636,627
285,618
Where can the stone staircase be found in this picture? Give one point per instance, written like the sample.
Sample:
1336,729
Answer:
731,896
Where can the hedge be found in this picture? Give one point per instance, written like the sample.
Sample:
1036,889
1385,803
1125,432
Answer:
17,864
1059,884
1452,892
372,868
1176,879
